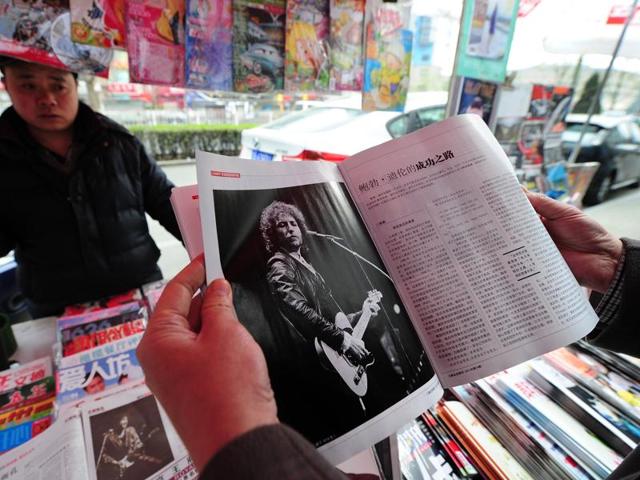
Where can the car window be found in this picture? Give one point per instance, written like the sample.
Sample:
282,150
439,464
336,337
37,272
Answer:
577,127
315,119
430,115
413,120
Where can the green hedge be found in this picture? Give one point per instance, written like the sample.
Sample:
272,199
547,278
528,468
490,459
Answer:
177,142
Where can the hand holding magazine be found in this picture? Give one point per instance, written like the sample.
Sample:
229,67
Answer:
370,285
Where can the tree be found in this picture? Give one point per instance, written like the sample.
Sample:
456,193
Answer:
589,91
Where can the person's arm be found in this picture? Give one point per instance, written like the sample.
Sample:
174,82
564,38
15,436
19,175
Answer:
156,189
602,263
6,243
295,306
211,378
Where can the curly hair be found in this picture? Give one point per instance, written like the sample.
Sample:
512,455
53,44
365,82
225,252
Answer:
268,219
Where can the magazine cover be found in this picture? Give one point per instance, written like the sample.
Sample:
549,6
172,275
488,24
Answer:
78,325
41,32
27,394
130,437
25,374
102,351
421,455
306,64
478,97
389,42
133,295
209,58
77,381
152,292
37,410
98,22
347,36
258,39
155,41
80,343
17,435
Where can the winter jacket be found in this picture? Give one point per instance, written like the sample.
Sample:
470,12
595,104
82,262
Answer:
81,235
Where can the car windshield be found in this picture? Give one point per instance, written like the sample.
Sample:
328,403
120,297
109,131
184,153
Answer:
315,119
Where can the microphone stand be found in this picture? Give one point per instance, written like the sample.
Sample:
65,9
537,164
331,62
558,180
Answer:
356,254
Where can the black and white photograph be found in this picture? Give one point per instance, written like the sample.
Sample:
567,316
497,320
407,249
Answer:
310,286
129,442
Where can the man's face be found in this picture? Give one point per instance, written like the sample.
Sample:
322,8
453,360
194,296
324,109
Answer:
124,421
96,385
45,98
288,232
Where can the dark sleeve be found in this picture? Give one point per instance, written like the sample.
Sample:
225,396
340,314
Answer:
296,307
156,189
622,331
6,243
274,452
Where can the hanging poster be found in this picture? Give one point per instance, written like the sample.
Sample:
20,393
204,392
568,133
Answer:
485,39
258,54
307,54
155,41
478,97
388,56
98,22
41,32
347,30
208,51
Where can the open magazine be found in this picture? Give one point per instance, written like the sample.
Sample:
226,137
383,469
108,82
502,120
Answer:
415,265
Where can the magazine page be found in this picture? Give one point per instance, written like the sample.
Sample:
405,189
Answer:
129,436
58,452
184,201
482,280
309,285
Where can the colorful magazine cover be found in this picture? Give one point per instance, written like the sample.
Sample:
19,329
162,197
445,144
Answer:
209,58
27,413
102,351
40,32
19,434
258,54
98,22
307,55
78,381
387,65
133,295
26,374
28,394
155,41
478,97
97,338
347,32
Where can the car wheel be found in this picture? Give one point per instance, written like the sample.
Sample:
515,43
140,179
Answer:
598,190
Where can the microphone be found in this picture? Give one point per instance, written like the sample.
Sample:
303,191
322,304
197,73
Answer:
323,235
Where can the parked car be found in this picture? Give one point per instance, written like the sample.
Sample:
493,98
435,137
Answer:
338,129
614,142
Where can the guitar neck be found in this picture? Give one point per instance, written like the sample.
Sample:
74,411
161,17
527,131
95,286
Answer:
361,326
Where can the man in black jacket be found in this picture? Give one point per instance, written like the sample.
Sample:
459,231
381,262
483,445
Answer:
75,190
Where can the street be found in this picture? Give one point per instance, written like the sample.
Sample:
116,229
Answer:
619,214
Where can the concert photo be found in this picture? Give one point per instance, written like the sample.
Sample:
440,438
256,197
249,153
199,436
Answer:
310,286
129,442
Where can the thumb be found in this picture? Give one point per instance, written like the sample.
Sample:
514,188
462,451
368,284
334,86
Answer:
549,208
217,307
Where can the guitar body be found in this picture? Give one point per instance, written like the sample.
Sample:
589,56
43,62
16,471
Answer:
353,374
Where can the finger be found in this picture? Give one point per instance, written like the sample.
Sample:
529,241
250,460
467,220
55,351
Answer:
217,307
549,208
175,301
195,310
